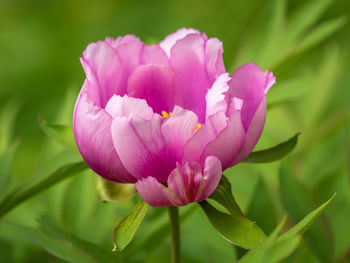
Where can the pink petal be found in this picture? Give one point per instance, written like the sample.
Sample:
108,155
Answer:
156,84
212,175
102,67
140,147
215,64
215,98
171,39
154,54
186,184
91,126
178,129
129,107
194,148
155,193
188,61
250,83
253,133
229,142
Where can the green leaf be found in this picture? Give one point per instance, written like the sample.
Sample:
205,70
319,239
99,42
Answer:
7,119
5,164
273,154
65,246
97,253
223,195
61,133
256,255
112,191
127,227
16,197
274,249
320,33
236,229
297,201
261,208
305,17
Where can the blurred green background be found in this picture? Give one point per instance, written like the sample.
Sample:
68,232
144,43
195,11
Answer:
305,43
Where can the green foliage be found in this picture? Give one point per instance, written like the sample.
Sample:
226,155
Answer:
127,227
18,195
275,153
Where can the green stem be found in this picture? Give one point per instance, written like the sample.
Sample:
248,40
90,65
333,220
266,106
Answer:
175,234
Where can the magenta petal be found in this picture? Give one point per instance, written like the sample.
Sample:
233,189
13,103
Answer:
250,83
156,84
194,148
140,147
178,129
212,175
155,193
188,61
102,67
91,126
253,133
228,143
171,39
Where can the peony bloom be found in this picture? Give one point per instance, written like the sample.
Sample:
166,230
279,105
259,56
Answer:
167,117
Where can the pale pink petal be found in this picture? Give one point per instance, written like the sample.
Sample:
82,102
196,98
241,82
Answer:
155,193
194,148
171,39
215,64
215,98
228,143
91,126
156,84
154,54
178,129
127,39
128,107
102,67
140,147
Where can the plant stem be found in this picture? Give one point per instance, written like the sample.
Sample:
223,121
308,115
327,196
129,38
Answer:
175,234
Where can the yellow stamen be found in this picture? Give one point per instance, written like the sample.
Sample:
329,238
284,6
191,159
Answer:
166,115
198,126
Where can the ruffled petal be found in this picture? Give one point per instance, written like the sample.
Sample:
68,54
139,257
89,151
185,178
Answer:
230,140
102,67
171,39
188,61
91,126
215,98
215,64
158,85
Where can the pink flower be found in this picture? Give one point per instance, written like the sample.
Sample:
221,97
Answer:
167,117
